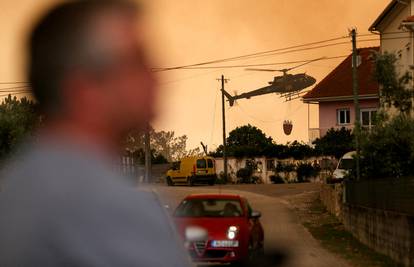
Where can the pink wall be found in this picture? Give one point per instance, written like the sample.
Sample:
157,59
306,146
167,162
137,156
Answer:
328,116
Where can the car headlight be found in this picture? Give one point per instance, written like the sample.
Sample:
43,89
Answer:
232,232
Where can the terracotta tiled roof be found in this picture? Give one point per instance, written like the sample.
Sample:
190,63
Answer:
338,83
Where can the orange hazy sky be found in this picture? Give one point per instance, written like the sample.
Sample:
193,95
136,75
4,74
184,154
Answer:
192,31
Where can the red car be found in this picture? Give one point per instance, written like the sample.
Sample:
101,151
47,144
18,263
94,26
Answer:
235,233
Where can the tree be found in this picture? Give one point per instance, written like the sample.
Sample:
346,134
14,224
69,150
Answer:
195,152
335,143
248,135
249,141
139,157
387,151
299,150
396,90
18,119
164,143
167,144
245,141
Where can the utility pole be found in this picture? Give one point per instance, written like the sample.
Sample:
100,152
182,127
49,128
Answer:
223,81
356,101
147,154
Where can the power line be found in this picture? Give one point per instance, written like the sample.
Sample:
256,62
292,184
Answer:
196,66
280,51
263,64
376,34
249,55
388,38
273,52
286,52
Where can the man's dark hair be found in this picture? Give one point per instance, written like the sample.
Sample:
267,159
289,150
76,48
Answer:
60,41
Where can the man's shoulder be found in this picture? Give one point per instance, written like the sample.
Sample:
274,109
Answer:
55,171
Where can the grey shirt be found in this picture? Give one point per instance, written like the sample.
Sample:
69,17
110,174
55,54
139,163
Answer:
64,206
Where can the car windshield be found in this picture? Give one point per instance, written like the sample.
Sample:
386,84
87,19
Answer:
209,208
346,164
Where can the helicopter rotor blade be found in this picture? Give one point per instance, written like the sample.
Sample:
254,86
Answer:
254,69
287,69
306,63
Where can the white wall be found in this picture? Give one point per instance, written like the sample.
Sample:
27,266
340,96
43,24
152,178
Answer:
400,43
234,164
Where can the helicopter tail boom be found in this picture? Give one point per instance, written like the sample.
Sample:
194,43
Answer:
230,98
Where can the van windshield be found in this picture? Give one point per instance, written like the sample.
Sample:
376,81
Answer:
175,166
201,164
346,164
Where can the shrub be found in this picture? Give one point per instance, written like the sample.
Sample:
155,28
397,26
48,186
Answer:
388,151
335,143
277,179
244,175
289,167
222,179
279,167
256,180
304,171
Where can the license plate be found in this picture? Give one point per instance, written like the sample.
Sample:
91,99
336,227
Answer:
224,243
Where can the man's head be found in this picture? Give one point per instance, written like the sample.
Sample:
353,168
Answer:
87,61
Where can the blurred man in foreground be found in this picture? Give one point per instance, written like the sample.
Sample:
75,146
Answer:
62,203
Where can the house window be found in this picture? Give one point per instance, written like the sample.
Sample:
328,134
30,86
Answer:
368,117
343,116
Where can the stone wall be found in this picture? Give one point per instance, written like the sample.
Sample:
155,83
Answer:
331,197
389,233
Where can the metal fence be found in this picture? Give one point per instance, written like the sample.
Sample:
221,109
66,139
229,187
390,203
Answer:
394,194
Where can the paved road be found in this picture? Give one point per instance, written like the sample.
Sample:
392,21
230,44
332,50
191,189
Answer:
294,245
275,190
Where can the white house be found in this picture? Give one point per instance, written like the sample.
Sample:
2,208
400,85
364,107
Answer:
395,25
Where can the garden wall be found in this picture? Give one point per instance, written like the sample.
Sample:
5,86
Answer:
387,232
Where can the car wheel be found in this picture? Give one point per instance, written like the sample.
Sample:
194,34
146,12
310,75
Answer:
212,182
169,181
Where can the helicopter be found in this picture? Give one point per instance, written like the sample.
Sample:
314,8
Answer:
285,85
